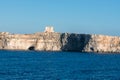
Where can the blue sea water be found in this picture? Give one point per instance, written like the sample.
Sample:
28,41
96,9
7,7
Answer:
33,65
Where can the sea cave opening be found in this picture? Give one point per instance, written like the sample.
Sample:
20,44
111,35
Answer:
31,48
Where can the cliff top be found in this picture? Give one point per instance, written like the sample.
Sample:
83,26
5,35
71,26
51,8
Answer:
49,29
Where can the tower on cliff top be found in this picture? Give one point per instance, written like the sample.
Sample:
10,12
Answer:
49,29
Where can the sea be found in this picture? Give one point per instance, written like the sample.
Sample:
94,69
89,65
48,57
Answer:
40,65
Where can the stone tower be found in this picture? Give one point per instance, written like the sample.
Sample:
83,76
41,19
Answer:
49,29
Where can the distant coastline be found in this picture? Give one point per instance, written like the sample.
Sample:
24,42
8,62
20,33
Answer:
53,41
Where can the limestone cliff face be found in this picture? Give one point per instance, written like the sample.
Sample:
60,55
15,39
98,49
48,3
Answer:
39,41
51,41
74,42
90,43
100,43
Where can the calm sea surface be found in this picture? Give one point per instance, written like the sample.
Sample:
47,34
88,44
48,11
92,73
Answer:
31,65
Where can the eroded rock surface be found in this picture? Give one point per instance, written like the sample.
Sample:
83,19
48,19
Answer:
51,41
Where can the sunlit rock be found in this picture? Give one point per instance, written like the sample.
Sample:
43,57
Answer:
53,41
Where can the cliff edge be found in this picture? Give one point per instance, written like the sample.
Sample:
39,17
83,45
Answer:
52,41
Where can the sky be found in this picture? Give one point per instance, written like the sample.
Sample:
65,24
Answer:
72,16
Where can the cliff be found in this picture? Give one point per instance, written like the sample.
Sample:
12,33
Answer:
51,41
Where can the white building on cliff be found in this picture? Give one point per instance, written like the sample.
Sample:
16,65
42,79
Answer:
49,29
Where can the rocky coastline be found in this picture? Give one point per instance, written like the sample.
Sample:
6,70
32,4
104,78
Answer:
53,41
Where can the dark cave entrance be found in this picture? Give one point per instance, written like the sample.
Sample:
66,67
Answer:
31,48
92,49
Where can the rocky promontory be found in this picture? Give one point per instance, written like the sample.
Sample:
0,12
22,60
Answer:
52,41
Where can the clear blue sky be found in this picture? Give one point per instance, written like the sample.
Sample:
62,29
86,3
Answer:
76,16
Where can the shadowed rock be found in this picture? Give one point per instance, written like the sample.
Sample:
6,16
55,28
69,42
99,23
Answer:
52,41
31,48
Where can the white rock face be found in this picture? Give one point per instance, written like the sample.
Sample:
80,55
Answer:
49,41
42,41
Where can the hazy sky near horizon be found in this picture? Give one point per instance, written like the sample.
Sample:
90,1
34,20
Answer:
74,16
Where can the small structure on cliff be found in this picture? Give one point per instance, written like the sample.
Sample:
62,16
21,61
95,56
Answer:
49,29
